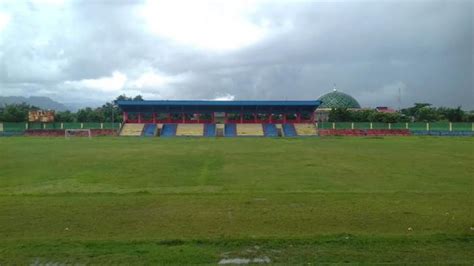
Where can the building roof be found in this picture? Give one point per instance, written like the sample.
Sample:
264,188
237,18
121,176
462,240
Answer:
384,109
337,99
219,103
216,106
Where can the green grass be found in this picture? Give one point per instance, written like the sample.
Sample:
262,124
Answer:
197,200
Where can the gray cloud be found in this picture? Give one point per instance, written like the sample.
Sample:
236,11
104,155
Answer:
91,51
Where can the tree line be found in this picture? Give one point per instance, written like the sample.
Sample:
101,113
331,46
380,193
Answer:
110,112
420,112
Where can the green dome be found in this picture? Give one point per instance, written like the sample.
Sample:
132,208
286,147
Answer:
338,99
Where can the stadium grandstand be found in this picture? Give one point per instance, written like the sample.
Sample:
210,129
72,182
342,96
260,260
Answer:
168,118
203,118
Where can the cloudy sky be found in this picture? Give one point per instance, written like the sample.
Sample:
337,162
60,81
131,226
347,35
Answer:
92,51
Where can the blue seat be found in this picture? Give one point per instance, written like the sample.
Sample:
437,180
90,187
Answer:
209,130
149,130
230,130
169,130
289,130
270,130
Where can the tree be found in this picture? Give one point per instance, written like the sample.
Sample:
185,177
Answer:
66,116
413,110
122,97
16,112
451,114
339,115
427,114
90,115
111,112
423,112
361,115
138,98
469,117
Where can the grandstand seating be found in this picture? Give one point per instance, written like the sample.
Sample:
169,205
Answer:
149,130
209,130
289,130
168,130
189,130
249,130
230,130
132,129
270,130
305,129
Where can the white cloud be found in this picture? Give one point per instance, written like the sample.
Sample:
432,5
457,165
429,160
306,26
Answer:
213,25
262,49
150,84
227,97
153,79
113,83
48,2
4,20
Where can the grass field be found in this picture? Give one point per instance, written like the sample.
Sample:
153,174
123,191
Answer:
197,200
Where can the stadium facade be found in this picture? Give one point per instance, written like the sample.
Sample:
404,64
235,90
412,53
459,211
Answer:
240,112
218,118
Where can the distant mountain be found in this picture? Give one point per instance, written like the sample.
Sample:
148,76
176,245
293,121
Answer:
41,102
74,106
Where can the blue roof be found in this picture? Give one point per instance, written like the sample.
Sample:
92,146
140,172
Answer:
314,103
218,106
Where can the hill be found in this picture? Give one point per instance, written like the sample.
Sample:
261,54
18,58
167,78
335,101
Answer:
41,102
